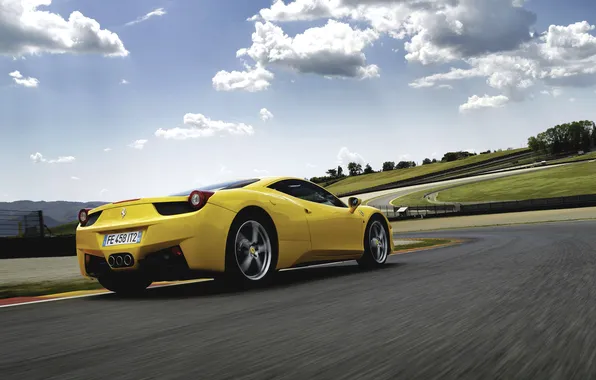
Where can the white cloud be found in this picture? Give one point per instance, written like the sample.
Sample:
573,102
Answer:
107,149
265,114
154,13
476,102
39,158
344,157
25,29
492,39
199,126
75,178
22,81
138,144
253,79
572,100
224,171
332,50
124,81
261,172
309,165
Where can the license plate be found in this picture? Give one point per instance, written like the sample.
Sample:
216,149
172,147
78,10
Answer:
122,238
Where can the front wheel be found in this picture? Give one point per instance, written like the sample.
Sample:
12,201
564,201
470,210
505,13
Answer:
376,244
125,284
251,251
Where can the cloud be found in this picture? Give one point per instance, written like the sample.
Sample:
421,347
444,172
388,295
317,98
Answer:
154,13
332,50
75,178
344,157
265,114
563,56
309,165
25,29
138,144
22,81
39,158
253,79
261,172
494,40
476,102
107,149
199,126
124,81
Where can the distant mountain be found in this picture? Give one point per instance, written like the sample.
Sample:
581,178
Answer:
54,213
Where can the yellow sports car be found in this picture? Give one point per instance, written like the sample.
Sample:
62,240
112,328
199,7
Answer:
242,231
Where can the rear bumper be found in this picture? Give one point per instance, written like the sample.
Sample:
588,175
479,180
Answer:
201,237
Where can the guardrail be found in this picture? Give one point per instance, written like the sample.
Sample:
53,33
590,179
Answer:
408,212
18,223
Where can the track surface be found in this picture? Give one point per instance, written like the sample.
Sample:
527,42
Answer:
514,302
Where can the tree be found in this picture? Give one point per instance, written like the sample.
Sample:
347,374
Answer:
434,161
340,171
354,168
332,172
564,138
426,161
368,169
405,164
388,165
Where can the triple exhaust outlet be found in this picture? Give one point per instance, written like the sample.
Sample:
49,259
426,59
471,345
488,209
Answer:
121,260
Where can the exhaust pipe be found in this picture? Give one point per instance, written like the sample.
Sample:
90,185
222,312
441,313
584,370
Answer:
119,260
127,259
111,261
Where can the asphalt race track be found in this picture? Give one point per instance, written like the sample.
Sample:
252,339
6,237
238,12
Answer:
511,303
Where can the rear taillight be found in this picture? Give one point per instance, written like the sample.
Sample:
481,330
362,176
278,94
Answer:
84,216
198,199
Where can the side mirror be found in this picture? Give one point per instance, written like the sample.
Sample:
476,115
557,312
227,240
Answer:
354,202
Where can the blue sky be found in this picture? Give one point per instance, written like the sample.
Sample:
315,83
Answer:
364,80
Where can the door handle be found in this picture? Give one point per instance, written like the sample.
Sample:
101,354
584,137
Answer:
307,211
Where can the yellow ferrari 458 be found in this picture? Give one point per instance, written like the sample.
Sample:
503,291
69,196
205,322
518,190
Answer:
242,231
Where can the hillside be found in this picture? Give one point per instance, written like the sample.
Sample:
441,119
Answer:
365,181
55,213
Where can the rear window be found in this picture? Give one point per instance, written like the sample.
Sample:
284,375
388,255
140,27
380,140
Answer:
222,186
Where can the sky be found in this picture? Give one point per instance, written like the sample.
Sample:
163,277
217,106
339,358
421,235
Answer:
102,100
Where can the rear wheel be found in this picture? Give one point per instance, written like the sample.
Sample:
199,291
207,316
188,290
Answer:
376,244
125,284
251,250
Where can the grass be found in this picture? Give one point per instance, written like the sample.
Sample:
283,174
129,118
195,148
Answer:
32,289
65,229
413,199
365,181
562,181
577,179
422,243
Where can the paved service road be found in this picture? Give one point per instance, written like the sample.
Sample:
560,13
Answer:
512,303
383,198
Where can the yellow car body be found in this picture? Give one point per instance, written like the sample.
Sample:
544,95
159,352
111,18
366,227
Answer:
305,231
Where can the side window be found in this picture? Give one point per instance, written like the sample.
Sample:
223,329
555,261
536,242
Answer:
308,192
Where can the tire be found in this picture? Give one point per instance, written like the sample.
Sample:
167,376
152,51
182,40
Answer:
376,244
248,261
125,284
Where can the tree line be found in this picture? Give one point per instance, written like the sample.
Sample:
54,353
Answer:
355,169
565,138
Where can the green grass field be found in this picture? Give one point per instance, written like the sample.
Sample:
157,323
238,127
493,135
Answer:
374,179
576,179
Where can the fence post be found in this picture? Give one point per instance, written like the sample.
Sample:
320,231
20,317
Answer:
41,224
